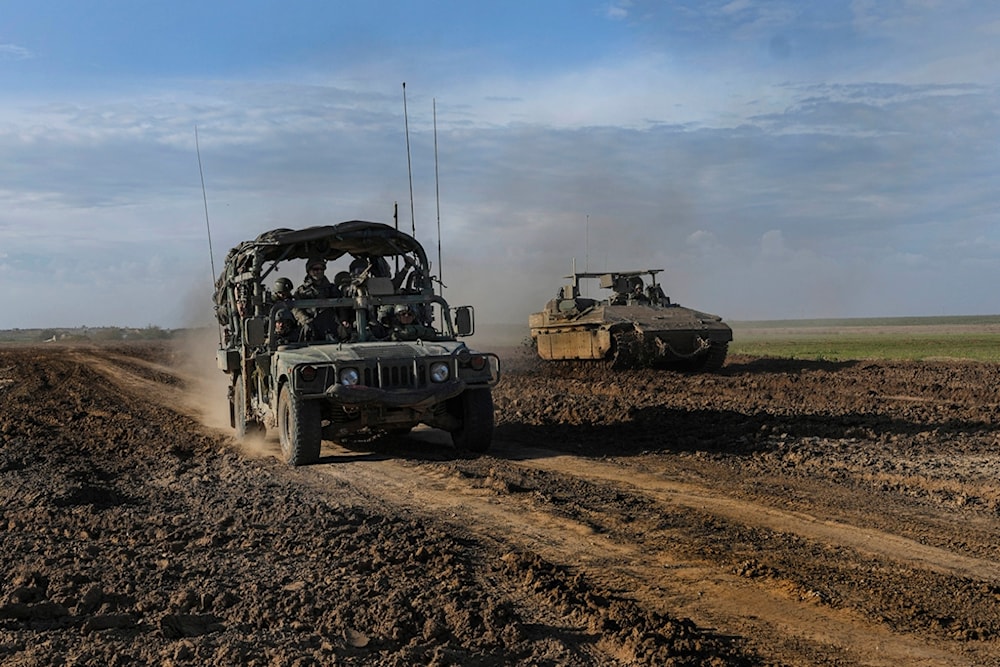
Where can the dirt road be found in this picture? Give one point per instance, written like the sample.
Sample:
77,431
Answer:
777,513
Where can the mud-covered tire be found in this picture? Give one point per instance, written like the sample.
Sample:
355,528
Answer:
300,428
474,408
244,427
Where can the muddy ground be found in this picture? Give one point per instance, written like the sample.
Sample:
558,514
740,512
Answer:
776,513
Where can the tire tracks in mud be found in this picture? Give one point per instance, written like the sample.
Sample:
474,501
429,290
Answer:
864,540
779,619
179,387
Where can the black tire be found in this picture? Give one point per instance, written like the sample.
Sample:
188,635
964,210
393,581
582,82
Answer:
300,428
244,427
475,409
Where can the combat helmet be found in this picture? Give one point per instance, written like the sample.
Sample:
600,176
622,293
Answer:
282,285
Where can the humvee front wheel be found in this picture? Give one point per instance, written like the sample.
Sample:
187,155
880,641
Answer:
300,428
474,408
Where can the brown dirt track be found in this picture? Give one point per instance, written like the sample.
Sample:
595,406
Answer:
778,513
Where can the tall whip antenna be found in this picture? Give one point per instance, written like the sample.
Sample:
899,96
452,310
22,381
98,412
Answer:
208,227
409,168
395,223
437,196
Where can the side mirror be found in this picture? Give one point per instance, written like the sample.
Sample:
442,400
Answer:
255,331
464,322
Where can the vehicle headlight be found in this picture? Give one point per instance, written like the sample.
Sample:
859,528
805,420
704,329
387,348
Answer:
349,376
439,371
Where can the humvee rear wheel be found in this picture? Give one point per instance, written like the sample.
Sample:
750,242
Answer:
300,428
474,407
244,426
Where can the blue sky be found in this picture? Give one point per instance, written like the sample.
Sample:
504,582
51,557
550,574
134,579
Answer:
778,159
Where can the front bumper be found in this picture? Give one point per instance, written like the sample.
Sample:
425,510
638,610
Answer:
356,395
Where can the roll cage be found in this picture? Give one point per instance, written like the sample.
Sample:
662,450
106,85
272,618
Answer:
246,310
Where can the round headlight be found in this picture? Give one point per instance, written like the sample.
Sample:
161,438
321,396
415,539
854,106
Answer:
439,371
349,376
307,373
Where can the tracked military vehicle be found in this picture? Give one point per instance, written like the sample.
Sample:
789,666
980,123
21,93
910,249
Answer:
332,364
636,326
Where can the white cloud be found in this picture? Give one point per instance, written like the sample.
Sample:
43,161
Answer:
14,52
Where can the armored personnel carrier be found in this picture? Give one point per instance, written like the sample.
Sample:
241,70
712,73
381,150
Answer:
636,326
373,351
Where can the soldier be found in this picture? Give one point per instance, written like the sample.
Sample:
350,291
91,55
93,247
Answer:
282,289
286,329
316,322
406,327
637,293
316,285
344,284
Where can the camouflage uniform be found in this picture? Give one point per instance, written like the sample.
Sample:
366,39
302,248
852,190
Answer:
410,330
316,322
286,329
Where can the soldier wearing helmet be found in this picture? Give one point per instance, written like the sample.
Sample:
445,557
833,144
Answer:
405,325
637,292
316,322
344,284
286,329
316,285
282,289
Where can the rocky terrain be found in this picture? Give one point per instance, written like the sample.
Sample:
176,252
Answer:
775,513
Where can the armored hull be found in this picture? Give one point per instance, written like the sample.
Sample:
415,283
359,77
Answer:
636,327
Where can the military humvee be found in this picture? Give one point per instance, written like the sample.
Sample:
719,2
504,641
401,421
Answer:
354,380
636,326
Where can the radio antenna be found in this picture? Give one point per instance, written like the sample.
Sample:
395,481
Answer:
409,168
208,227
395,223
437,195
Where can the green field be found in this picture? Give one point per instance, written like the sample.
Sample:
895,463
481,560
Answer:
975,338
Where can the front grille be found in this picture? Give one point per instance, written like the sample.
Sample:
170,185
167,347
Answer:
395,376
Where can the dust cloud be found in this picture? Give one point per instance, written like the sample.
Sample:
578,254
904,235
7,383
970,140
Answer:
206,398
